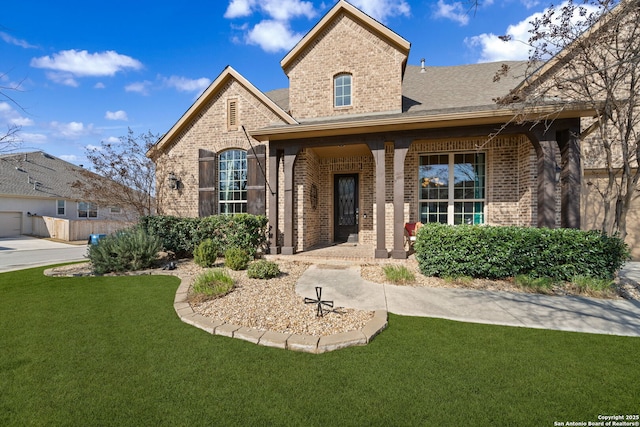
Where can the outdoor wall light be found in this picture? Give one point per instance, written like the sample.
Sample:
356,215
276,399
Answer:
174,182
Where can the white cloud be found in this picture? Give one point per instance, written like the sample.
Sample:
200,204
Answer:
71,130
65,79
14,41
139,87
80,63
9,116
454,11
92,147
273,36
69,158
184,84
116,115
239,8
281,10
383,9
99,85
33,138
109,140
492,48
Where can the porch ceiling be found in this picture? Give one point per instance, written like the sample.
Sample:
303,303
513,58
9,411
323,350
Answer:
342,151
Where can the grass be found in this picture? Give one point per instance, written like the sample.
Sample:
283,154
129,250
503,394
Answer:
211,284
398,274
112,351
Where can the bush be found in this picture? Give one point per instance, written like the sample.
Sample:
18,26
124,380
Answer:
126,250
398,274
183,235
211,284
263,269
500,252
206,253
236,259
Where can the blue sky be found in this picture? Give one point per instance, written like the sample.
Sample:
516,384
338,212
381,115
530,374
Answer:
84,71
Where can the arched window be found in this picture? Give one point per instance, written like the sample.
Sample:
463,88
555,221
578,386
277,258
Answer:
232,182
342,90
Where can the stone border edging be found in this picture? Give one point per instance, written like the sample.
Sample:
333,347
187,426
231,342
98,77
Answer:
305,343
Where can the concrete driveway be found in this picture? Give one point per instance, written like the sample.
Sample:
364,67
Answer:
21,252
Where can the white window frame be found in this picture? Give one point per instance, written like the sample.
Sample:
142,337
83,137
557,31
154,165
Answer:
230,200
90,210
339,88
451,200
64,207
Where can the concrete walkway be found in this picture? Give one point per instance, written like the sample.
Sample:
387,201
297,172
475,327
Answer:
344,285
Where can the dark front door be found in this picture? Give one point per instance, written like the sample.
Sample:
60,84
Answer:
345,207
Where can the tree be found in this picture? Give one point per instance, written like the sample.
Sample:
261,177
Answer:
125,163
591,53
10,140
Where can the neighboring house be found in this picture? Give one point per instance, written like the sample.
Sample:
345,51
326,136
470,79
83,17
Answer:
37,197
362,143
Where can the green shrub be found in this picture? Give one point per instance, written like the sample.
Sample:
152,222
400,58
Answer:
183,235
211,284
263,269
500,252
236,259
126,250
206,253
398,274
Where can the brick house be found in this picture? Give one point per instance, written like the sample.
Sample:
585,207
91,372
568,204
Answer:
362,143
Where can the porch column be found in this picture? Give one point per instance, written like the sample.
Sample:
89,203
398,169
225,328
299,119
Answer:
290,154
401,146
570,178
377,150
546,153
274,166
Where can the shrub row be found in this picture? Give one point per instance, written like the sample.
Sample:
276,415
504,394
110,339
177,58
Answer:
183,235
500,252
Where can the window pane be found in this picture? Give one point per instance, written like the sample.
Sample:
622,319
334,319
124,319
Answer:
468,171
232,182
342,90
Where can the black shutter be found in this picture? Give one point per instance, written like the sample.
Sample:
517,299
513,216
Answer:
207,179
256,182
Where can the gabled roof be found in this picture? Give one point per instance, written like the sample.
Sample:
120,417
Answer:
344,7
40,175
227,74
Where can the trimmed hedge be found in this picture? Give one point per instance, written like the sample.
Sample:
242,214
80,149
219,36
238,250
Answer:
183,235
499,252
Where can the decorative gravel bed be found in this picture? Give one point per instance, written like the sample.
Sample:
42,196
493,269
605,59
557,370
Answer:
274,305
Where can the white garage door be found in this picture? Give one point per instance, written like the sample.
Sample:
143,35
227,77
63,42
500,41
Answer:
10,224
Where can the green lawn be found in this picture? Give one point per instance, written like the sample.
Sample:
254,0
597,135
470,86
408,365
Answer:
111,351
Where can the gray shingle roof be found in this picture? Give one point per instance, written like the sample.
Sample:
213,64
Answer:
38,174
440,89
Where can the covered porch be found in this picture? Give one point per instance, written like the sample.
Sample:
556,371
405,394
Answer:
543,172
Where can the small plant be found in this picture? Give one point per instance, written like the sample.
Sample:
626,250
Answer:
206,253
537,284
126,250
459,280
398,274
211,284
236,259
263,269
586,283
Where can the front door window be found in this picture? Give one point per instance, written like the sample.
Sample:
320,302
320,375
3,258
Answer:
346,207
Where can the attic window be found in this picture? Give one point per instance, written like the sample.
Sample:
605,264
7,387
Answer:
232,114
342,90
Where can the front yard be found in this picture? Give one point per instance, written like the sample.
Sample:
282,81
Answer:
112,351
